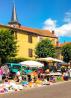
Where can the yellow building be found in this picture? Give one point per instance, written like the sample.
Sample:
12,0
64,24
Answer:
27,38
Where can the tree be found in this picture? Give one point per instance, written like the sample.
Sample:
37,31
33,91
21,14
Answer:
7,45
66,52
45,49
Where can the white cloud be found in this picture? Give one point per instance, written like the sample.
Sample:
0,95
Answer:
49,24
63,30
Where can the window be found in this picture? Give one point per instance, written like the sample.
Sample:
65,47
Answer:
30,38
30,52
14,32
16,35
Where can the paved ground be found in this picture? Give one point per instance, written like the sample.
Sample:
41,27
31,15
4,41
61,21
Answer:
61,90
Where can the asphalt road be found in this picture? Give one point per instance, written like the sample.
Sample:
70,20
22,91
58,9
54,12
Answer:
62,90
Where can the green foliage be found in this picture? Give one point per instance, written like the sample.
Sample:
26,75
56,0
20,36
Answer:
7,45
16,60
66,52
45,49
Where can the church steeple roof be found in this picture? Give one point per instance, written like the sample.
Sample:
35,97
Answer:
14,19
14,15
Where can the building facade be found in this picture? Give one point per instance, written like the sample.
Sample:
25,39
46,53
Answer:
27,38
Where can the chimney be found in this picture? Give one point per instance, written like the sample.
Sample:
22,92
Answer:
57,43
53,32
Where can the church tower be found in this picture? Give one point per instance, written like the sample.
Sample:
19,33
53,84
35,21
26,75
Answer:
14,20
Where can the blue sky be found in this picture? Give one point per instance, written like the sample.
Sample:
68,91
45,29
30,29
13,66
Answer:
42,14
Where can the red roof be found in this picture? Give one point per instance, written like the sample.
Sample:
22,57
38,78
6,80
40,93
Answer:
46,33
38,31
62,44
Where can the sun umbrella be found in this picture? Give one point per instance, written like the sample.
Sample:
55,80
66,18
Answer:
28,71
49,59
57,60
31,64
46,59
